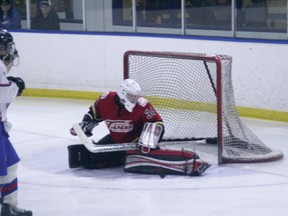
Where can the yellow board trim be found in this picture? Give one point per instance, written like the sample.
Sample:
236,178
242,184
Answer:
59,93
273,115
87,95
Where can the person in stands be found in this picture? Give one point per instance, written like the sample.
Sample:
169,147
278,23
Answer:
9,16
63,10
47,18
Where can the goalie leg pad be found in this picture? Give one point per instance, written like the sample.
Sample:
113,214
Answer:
78,155
106,160
165,162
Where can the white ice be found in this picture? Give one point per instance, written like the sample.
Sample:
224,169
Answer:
47,186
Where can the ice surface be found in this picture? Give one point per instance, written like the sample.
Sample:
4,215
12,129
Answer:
47,186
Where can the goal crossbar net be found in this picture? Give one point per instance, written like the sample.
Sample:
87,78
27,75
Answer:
193,93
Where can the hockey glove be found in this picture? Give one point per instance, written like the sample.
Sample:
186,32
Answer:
7,126
19,82
87,125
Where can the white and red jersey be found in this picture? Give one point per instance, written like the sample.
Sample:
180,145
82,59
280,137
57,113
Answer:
8,91
124,126
8,155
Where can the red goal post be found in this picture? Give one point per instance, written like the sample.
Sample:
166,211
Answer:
194,95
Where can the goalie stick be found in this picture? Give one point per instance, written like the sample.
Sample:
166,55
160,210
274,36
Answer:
94,148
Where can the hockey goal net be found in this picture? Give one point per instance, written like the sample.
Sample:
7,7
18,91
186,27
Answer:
194,95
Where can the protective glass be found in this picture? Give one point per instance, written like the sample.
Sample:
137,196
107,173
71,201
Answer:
132,98
16,60
3,50
11,48
6,49
12,59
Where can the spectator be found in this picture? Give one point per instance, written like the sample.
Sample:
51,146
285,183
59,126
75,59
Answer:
255,14
47,18
63,10
223,2
141,10
222,13
9,16
199,13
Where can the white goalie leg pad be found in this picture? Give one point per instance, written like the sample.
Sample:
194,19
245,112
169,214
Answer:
150,136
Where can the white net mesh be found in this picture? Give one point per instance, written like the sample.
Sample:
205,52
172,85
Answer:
187,90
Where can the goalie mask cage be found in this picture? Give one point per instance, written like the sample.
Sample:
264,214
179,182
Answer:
193,93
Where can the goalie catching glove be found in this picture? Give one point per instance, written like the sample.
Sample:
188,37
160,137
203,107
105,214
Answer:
87,125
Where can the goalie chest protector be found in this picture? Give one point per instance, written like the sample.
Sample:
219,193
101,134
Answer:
165,162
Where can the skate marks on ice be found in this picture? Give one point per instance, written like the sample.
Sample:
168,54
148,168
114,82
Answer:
47,186
52,160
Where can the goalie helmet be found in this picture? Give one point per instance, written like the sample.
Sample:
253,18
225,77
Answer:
8,50
129,93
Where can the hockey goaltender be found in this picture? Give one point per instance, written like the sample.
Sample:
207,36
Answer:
132,122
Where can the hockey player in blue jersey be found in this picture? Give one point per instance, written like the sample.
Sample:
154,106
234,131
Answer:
10,87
